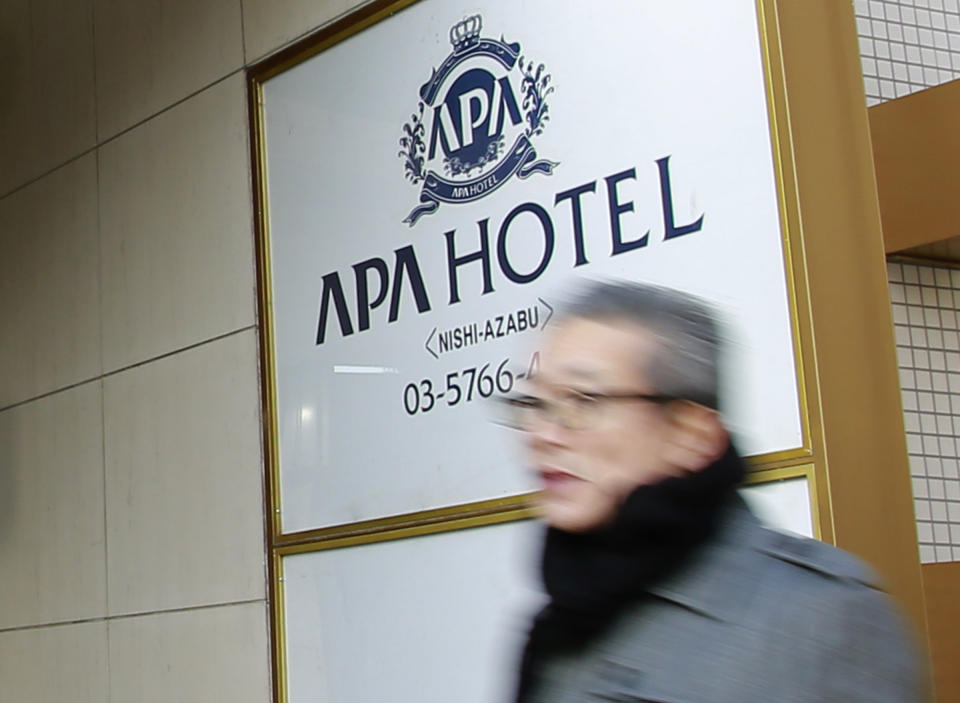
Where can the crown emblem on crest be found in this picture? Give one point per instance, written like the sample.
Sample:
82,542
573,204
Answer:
465,33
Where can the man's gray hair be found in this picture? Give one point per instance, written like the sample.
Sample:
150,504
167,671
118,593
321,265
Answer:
684,362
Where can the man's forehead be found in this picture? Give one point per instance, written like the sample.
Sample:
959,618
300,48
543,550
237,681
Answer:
584,349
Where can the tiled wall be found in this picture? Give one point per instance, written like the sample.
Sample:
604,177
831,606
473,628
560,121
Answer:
926,315
131,506
907,45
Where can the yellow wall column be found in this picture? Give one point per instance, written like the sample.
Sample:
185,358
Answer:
857,432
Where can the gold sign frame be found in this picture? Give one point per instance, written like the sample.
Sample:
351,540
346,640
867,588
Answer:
802,461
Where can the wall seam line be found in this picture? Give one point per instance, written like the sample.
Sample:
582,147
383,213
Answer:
128,616
122,369
100,143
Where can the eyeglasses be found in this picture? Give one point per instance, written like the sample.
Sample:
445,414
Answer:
573,410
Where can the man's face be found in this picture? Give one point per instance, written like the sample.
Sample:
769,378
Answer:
586,472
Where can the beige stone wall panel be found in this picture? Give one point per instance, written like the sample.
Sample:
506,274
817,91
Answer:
47,112
49,284
214,655
154,53
52,552
184,482
54,664
271,24
176,229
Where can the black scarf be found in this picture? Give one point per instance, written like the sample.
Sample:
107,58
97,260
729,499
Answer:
590,577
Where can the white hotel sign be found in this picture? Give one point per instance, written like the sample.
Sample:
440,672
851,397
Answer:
435,183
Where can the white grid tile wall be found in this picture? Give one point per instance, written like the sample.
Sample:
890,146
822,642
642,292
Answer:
907,45
926,317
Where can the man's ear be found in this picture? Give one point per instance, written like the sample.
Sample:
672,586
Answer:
696,437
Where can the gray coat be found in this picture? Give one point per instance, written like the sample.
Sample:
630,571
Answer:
758,616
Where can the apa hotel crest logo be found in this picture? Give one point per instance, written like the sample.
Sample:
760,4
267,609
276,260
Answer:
466,142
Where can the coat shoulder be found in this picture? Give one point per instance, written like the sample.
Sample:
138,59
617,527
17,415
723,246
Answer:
814,556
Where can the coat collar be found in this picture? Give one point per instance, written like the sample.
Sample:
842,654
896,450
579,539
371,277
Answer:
720,575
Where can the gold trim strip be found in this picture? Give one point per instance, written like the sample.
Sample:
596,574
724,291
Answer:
788,199
786,455
277,614
325,37
411,530
278,626
265,307
795,256
388,530
414,520
771,475
522,511
520,506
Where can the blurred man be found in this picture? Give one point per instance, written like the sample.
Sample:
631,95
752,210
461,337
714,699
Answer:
662,584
